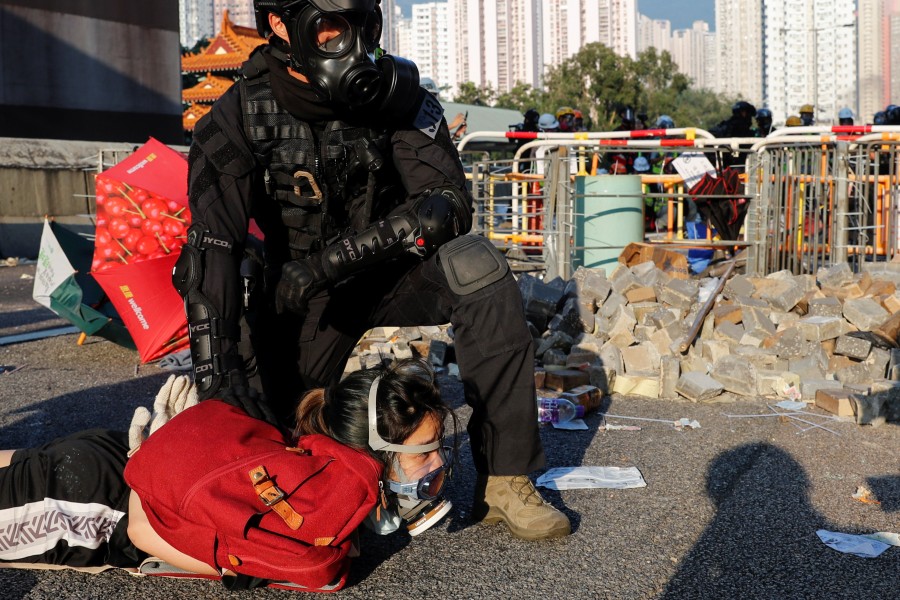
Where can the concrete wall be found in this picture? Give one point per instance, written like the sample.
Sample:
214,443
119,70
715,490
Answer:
90,70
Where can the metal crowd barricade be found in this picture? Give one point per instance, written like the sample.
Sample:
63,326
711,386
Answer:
824,197
527,205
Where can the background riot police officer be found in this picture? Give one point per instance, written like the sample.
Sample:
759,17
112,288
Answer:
347,166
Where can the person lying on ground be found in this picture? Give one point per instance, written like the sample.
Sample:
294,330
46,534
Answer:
80,501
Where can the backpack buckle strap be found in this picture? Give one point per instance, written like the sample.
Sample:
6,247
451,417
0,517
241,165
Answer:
274,497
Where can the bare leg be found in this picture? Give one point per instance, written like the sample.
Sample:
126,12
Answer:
5,457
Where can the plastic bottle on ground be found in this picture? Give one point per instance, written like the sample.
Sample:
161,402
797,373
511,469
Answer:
558,410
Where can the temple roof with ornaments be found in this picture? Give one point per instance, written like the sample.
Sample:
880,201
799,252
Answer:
208,89
193,114
226,52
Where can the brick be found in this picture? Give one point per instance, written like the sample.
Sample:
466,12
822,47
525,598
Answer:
554,357
808,367
621,332
440,353
739,285
695,363
735,375
582,355
637,385
612,304
554,340
809,387
783,320
353,364
826,307
369,342
753,338
730,313
603,378
729,332
878,360
641,294
756,320
539,375
698,387
611,356
781,294
648,274
681,293
663,317
818,329
893,372
642,333
539,299
838,402
669,372
892,303
791,343
865,313
880,287
708,329
857,373
565,379
643,310
623,280
713,350
576,317
589,286
750,302
420,348
835,275
588,396
642,359
853,347
836,363
662,340
401,350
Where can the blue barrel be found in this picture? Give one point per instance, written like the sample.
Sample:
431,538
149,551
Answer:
609,215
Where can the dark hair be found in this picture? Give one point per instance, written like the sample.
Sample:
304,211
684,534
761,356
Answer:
407,394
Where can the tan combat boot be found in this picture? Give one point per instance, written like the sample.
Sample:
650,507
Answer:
514,500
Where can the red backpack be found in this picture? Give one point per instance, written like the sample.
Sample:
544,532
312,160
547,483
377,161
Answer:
222,487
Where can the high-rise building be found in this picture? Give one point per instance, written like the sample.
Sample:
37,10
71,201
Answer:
431,42
874,65
496,42
689,47
892,52
240,12
569,25
739,33
810,57
195,21
654,33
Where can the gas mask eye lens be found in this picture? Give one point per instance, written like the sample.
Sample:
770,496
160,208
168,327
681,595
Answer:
333,34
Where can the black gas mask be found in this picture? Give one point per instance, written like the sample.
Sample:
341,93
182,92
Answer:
334,43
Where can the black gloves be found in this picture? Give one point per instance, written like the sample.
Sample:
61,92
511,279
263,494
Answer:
300,280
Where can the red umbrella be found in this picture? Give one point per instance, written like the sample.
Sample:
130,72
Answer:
142,220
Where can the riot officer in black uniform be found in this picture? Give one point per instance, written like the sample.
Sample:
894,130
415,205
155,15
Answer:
347,166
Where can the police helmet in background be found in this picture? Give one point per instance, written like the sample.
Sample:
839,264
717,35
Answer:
845,116
806,115
641,165
743,110
665,122
793,121
334,44
548,122
764,118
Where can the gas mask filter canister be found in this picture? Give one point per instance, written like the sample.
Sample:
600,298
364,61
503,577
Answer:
418,503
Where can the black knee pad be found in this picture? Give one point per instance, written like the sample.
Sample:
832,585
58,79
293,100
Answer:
470,263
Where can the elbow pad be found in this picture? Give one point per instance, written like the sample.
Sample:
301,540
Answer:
443,214
380,241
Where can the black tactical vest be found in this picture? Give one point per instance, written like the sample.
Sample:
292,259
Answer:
320,185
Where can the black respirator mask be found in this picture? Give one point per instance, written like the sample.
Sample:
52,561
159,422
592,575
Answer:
334,43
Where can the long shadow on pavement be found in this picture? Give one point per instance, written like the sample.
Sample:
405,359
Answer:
762,542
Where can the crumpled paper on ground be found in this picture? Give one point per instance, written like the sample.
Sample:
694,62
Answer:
864,546
789,405
577,478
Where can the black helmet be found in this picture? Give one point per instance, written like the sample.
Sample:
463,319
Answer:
627,114
286,8
743,109
880,118
532,116
763,114
892,115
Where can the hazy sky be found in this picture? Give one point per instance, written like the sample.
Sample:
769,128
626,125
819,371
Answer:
680,12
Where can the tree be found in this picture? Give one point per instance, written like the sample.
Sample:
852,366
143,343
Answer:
521,98
469,93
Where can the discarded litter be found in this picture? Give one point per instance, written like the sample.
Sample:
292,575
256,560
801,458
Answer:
792,392
573,425
865,495
26,276
682,423
790,405
610,427
574,478
7,369
678,424
864,546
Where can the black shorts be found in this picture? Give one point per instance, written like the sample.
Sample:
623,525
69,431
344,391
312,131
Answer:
66,503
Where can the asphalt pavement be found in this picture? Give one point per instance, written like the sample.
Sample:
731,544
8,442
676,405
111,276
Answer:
730,510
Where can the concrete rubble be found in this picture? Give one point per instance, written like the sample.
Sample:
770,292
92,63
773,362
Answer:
773,337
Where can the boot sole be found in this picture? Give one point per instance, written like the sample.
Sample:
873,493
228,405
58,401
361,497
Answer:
494,516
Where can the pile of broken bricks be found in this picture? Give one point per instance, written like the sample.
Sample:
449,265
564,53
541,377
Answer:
781,336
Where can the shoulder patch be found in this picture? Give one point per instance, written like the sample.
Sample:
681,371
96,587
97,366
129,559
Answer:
429,116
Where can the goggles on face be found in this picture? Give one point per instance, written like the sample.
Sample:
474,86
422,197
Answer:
430,485
333,33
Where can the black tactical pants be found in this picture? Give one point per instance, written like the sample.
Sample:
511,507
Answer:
493,347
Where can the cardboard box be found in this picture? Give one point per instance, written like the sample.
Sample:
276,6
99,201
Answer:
565,379
837,402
